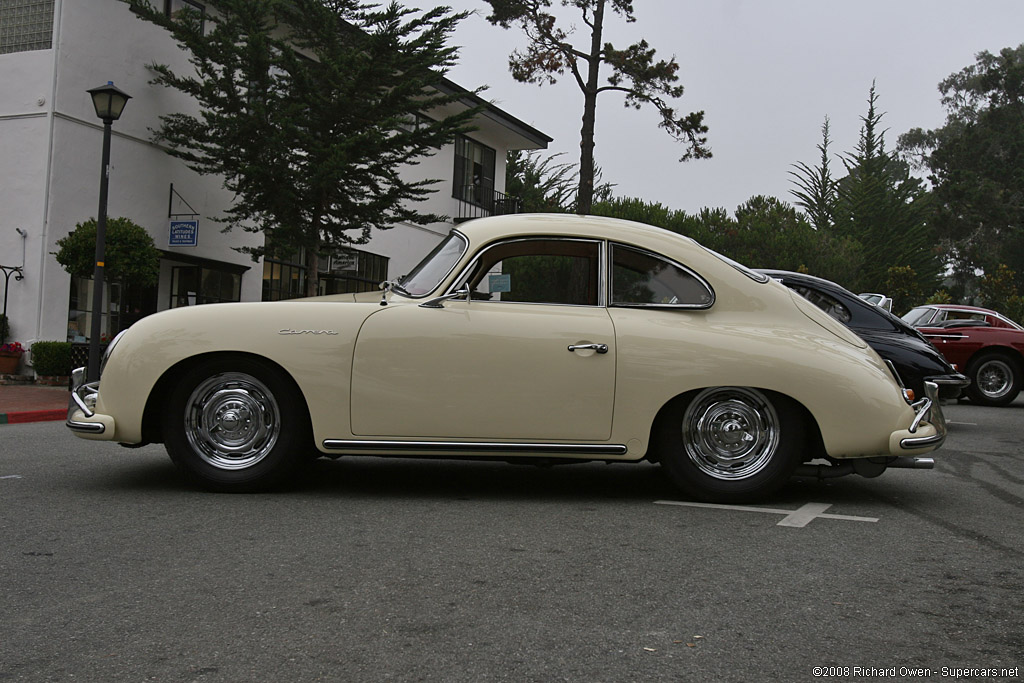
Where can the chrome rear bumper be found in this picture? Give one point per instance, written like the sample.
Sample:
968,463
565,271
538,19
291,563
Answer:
929,410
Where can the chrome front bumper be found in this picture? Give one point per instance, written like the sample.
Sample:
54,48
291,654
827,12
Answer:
82,405
927,411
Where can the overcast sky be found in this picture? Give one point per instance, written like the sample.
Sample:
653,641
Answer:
765,72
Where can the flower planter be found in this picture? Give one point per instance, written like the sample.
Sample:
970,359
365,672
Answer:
9,363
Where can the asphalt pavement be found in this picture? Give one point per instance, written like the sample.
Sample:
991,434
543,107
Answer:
375,569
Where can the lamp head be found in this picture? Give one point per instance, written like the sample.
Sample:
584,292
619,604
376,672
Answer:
109,101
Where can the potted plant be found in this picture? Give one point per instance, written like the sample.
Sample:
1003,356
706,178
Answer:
10,357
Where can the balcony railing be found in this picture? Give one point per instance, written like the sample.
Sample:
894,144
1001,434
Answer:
477,202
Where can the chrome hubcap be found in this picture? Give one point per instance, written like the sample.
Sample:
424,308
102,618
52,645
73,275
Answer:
730,432
995,378
232,421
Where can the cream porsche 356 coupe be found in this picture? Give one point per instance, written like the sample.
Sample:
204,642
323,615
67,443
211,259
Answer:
527,338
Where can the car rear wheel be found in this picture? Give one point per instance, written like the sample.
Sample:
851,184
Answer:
995,379
236,426
730,444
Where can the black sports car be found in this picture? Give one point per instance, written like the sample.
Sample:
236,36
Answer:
914,357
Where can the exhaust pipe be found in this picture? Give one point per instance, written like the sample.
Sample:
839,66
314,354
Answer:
909,463
865,467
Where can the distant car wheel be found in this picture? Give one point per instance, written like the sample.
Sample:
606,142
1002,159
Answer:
236,426
730,444
995,379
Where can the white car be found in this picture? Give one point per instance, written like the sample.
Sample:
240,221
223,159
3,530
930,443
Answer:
538,338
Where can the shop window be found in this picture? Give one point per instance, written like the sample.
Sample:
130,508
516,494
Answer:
341,273
122,306
193,285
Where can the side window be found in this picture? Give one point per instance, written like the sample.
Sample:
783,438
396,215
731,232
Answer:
641,278
543,271
827,303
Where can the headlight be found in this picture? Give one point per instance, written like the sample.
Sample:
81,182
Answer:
109,350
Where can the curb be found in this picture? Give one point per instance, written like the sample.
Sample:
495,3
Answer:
33,416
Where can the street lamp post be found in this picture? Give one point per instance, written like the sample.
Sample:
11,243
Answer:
109,103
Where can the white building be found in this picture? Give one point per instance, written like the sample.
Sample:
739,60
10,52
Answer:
51,52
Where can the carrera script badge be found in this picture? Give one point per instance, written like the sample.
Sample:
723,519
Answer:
291,331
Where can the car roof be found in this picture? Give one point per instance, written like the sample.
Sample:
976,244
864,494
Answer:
482,230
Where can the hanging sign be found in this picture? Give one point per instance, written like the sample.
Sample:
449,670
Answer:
183,233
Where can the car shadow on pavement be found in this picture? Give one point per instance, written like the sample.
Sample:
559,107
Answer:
405,478
408,478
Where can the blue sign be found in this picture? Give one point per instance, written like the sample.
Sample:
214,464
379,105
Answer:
183,234
499,283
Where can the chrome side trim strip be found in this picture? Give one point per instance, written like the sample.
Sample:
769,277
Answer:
478,446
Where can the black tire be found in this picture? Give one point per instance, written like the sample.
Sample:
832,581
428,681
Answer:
730,444
995,379
236,425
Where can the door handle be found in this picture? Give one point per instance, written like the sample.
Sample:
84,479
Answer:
600,348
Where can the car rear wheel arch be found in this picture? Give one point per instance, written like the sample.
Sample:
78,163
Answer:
797,438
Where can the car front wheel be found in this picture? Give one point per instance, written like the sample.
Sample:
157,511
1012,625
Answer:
730,444
236,426
995,379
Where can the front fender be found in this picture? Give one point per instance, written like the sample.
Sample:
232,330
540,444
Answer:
311,340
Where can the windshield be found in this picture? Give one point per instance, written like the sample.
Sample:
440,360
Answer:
918,316
425,277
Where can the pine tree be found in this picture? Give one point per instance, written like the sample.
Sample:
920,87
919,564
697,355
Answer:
309,109
884,208
634,72
816,191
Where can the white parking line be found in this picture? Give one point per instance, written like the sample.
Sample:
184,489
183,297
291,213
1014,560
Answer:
951,422
798,518
11,476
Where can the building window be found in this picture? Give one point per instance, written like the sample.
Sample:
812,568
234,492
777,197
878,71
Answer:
284,278
180,8
122,306
474,172
192,285
348,271
80,310
26,25
353,271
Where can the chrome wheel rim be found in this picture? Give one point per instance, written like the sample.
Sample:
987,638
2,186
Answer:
730,433
995,378
232,421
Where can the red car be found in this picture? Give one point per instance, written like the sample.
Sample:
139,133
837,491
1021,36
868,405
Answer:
985,345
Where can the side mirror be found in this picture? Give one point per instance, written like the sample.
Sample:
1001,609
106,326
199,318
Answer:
437,301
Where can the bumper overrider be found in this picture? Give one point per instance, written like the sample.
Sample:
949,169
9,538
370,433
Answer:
926,433
82,416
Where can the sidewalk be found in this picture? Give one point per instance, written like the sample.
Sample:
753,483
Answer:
20,404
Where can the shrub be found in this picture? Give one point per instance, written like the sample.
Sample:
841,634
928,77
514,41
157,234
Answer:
51,358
